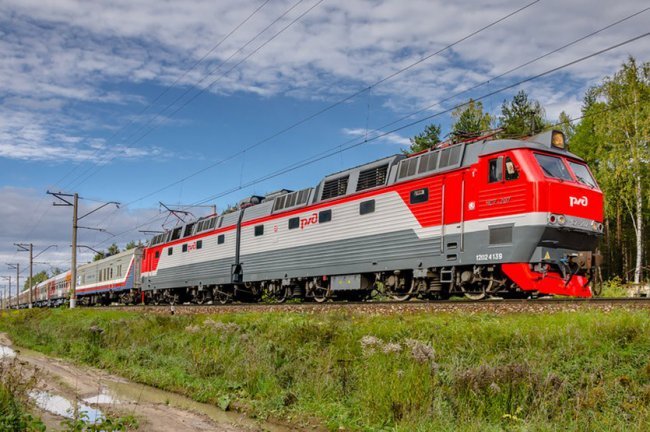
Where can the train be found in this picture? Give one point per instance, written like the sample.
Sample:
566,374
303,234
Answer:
481,218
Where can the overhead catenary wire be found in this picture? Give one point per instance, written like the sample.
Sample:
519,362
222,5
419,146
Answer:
175,82
336,150
334,104
148,106
329,107
89,172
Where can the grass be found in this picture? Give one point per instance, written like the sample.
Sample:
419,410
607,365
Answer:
614,288
586,370
14,401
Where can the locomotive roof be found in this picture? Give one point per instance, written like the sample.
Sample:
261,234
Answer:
389,170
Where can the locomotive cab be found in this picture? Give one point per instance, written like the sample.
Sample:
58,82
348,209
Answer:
564,209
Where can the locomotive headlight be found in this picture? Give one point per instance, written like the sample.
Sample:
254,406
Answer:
552,218
597,226
557,140
561,219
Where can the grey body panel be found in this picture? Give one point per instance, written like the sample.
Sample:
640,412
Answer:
215,272
400,250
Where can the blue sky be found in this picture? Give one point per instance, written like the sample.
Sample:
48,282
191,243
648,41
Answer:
81,111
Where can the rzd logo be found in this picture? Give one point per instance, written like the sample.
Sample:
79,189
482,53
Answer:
309,220
582,201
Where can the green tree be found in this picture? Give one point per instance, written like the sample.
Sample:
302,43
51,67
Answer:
565,124
626,127
425,140
521,116
470,121
113,249
38,278
132,245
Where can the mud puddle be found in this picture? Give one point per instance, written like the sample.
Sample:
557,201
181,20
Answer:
60,406
97,393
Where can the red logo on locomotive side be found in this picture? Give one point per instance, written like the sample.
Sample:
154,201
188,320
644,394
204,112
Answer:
582,201
313,219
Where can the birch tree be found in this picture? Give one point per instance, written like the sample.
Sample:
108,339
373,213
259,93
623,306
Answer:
625,129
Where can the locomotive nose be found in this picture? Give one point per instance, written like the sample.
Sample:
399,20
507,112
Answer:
576,201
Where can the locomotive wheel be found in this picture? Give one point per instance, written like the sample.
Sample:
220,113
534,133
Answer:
202,297
395,295
222,297
279,295
475,293
321,294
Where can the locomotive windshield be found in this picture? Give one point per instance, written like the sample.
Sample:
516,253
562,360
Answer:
553,167
582,174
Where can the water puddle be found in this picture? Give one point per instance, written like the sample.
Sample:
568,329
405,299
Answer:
140,393
120,391
6,352
102,399
58,405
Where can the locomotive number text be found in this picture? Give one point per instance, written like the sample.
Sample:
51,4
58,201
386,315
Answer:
489,257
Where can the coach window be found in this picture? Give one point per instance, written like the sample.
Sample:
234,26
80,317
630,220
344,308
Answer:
511,170
170,251
294,223
185,247
199,244
367,207
419,196
496,170
221,239
259,230
325,216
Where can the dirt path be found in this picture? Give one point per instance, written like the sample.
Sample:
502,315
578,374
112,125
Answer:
155,410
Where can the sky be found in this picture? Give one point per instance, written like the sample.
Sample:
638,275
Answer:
204,102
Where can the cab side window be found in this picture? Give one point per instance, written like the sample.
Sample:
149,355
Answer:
511,170
495,170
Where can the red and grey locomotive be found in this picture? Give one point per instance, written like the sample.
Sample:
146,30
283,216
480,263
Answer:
480,218
507,217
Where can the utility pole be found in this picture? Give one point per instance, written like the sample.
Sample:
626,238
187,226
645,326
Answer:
64,200
17,267
29,247
8,302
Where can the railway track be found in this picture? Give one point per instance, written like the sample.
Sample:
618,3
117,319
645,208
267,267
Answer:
378,307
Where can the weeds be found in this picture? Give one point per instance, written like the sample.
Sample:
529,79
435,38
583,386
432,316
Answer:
14,400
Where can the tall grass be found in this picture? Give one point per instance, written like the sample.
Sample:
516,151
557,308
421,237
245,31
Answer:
556,371
14,388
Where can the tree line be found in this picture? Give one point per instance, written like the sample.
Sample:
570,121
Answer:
612,135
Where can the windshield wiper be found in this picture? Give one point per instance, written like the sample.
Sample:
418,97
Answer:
547,171
583,181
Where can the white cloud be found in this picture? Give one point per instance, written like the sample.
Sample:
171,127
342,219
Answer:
59,53
391,138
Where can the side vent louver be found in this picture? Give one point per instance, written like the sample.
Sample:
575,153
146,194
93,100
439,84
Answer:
372,177
293,199
436,160
334,188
